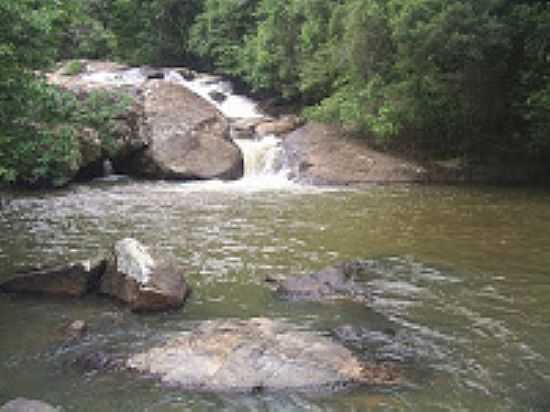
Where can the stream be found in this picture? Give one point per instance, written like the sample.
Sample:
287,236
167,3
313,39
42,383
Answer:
460,286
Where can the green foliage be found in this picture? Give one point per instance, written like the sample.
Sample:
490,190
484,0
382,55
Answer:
456,77
100,111
218,33
73,67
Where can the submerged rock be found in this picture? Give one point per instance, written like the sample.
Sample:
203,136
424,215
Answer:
340,281
76,329
146,284
189,138
27,405
73,280
258,354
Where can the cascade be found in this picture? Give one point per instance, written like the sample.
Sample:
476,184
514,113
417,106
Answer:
264,158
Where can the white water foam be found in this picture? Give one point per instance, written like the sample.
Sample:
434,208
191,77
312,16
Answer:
264,158
233,107
130,77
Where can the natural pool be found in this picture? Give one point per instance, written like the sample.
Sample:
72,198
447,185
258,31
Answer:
462,277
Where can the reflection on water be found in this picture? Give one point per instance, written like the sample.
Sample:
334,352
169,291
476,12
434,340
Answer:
460,282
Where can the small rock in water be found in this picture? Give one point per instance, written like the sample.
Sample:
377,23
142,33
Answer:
73,280
152,73
27,405
218,97
341,281
76,329
135,277
187,74
97,362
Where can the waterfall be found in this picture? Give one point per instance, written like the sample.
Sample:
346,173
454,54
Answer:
264,158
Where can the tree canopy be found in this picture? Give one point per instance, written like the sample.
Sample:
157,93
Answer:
449,77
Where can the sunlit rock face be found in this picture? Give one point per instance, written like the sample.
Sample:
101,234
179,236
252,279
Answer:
257,354
144,283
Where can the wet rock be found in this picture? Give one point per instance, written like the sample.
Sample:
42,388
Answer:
152,73
186,73
341,281
256,355
217,96
189,138
281,126
244,128
145,284
27,405
76,329
97,362
73,280
323,154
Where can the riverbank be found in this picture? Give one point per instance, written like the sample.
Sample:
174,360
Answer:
182,125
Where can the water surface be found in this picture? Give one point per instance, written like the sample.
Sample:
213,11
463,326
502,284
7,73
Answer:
461,276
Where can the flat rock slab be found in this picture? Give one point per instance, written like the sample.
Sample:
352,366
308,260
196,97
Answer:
345,280
323,154
73,280
255,355
26,405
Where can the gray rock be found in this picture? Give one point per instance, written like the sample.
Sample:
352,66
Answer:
345,280
323,154
258,354
244,128
135,277
280,126
76,329
152,72
217,96
189,138
26,405
73,280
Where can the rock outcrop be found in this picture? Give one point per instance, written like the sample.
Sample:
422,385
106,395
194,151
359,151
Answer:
189,138
26,405
145,284
346,280
321,154
256,355
73,280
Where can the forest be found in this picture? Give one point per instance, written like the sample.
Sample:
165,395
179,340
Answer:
446,78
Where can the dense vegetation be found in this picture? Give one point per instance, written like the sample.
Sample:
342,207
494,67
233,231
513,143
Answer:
468,78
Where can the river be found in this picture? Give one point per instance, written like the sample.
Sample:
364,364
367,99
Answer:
462,277
460,288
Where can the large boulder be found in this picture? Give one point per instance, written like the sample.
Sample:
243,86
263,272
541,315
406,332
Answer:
345,280
189,137
322,154
257,354
26,405
73,280
145,284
